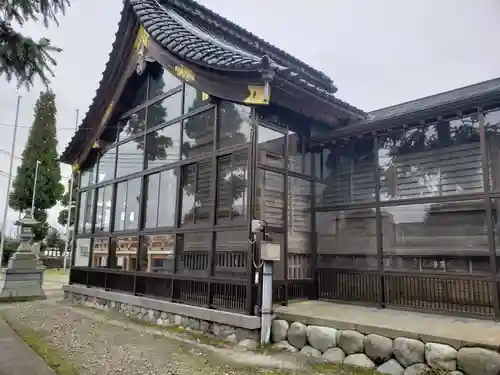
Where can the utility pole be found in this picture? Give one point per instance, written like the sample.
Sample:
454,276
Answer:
68,221
9,179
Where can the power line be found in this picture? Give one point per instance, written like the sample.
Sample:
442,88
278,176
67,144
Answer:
29,127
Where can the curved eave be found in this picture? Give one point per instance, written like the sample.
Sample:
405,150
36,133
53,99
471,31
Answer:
255,43
86,131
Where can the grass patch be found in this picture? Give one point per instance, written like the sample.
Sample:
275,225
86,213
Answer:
330,368
43,348
55,272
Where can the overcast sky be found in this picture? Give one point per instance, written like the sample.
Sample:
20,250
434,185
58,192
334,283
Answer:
378,53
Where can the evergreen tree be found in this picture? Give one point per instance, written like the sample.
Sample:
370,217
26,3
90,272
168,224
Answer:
22,57
63,214
40,146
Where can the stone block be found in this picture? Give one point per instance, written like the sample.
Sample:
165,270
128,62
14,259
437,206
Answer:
352,342
248,344
310,351
359,360
279,330
391,367
478,361
409,351
440,356
334,355
378,348
297,335
321,338
417,369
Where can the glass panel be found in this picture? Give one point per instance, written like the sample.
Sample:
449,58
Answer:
138,87
130,157
194,99
198,135
443,237
161,81
127,204
160,251
85,212
196,193
163,146
232,189
492,125
100,247
348,174
133,125
160,205
82,252
296,159
434,160
107,165
271,147
125,253
234,125
271,197
164,110
81,212
299,215
86,178
231,249
103,209
193,253
347,239
188,193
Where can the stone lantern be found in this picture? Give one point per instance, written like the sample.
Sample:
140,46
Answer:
22,279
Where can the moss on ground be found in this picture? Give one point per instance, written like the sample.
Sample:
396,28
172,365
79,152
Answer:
43,348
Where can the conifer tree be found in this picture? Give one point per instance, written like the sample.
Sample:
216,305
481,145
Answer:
21,57
42,146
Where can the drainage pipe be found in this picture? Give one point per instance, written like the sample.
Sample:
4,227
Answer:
267,302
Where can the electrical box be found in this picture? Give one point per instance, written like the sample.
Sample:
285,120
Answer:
270,251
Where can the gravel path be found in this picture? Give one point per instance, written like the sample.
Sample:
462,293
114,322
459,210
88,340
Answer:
97,343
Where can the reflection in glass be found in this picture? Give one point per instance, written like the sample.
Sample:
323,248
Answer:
271,147
196,193
87,177
125,253
232,189
81,212
130,157
100,247
164,110
193,253
133,125
103,208
445,237
198,134
234,125
160,205
127,204
299,215
82,252
194,99
107,164
347,239
160,252
433,160
492,125
296,157
231,249
163,146
139,89
161,81
271,198
348,173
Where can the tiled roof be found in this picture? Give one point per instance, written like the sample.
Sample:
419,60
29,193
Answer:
200,36
434,101
486,93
